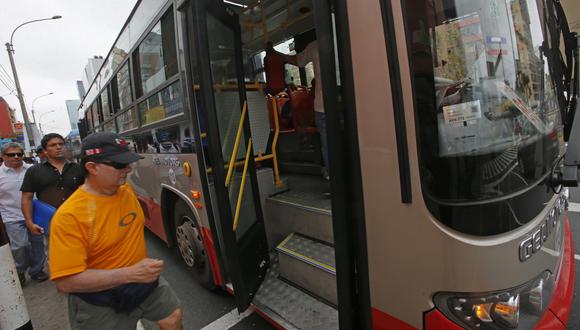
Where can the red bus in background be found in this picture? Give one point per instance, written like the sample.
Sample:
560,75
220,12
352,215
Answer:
6,120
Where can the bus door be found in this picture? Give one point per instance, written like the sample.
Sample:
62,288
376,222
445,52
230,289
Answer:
230,156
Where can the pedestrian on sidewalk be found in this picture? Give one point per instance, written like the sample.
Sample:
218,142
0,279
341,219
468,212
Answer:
53,180
40,155
27,246
97,247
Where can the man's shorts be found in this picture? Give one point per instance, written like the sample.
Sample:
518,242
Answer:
159,305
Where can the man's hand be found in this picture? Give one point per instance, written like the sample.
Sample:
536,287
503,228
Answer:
34,228
145,271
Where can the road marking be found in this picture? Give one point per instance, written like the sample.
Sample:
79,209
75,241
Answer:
574,207
140,325
229,320
577,256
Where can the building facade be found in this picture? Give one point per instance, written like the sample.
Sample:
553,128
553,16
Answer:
72,107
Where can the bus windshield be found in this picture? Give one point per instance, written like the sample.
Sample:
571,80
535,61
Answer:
488,118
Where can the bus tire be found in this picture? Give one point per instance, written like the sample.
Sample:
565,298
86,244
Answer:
190,245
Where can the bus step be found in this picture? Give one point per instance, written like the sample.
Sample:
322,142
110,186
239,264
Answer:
298,211
300,167
290,307
310,265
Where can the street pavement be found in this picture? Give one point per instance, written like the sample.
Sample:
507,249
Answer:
202,309
207,310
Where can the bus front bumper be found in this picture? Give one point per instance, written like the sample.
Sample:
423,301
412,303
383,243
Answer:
558,311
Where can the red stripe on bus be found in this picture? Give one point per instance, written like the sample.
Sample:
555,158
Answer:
153,217
549,321
210,249
564,289
435,320
382,320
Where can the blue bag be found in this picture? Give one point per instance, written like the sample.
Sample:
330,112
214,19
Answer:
42,214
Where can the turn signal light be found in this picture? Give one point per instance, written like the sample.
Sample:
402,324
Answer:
195,194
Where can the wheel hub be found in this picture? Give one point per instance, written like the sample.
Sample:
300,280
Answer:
186,235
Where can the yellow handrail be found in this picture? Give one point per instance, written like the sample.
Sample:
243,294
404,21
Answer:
275,142
243,184
236,144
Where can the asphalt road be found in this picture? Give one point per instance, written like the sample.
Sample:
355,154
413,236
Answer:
201,308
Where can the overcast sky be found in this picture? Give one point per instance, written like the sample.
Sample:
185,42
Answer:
50,56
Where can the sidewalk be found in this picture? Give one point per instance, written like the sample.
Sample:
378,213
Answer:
46,306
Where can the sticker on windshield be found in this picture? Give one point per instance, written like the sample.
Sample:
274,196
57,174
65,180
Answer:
521,105
462,114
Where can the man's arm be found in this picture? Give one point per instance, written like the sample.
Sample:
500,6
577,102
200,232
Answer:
93,280
26,205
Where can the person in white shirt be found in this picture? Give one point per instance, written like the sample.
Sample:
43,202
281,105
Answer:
27,248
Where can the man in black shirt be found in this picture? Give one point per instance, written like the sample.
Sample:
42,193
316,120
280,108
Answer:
53,181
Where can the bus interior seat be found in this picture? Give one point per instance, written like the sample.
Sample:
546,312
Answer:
284,121
303,110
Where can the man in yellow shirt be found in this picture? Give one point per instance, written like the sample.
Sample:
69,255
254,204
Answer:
97,247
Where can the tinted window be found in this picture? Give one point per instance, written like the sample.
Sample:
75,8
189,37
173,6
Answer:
95,112
110,126
106,105
157,59
161,105
124,86
166,140
89,118
127,120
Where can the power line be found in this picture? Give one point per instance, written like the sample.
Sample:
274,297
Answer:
7,83
11,89
6,74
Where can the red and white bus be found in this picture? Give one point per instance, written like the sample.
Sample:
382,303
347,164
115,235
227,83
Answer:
445,123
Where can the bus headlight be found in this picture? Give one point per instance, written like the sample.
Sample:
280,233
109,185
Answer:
517,308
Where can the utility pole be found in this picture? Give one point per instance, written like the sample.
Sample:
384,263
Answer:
29,132
10,50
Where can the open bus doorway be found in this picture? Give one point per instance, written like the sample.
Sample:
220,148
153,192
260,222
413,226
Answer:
272,212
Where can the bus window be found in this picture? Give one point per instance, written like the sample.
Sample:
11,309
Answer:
105,104
187,142
145,142
156,59
166,140
169,140
124,86
89,118
95,112
127,120
161,105
110,126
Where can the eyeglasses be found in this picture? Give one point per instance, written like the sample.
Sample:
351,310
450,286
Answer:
14,154
117,166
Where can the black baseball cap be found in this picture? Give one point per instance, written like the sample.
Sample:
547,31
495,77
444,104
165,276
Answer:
108,146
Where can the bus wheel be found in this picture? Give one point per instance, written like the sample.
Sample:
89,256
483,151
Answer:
190,245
